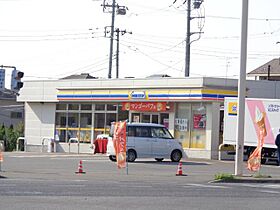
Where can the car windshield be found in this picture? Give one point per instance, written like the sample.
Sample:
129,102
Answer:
156,132
161,132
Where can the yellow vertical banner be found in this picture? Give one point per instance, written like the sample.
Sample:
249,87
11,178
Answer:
119,140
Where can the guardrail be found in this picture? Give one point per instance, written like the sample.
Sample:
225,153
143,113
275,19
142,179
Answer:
72,141
51,144
24,143
224,149
43,142
2,146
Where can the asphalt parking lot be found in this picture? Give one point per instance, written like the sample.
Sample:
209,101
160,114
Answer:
49,181
25,165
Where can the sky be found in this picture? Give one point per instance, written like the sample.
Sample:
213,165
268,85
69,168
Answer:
51,39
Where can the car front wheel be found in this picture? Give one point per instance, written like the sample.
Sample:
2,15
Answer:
176,156
131,155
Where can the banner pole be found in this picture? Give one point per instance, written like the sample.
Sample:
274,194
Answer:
126,152
126,132
126,164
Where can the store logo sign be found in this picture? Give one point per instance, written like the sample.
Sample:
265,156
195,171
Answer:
138,95
232,108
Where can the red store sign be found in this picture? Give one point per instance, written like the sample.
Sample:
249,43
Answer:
144,106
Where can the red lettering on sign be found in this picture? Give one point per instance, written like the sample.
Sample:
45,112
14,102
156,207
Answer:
144,106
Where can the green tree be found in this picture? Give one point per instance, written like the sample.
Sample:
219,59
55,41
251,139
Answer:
10,139
19,130
2,132
3,136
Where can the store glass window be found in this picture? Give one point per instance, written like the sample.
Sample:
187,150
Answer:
112,107
73,120
73,106
198,130
182,123
85,127
99,123
146,118
60,126
61,106
100,107
73,125
86,107
110,117
122,115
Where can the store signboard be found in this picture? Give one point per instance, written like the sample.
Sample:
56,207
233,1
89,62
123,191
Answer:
144,106
199,121
181,124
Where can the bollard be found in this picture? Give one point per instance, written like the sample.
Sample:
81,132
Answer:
74,140
17,143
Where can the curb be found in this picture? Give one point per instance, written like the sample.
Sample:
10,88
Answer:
247,180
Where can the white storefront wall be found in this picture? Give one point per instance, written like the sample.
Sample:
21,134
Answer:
40,108
39,123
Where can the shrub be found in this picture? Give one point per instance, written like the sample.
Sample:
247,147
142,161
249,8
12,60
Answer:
223,176
10,135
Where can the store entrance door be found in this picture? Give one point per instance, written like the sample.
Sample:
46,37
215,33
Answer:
150,118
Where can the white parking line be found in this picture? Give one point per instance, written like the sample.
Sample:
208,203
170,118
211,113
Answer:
269,191
207,186
53,156
272,186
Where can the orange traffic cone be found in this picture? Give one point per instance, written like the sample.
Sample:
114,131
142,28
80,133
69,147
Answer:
1,157
179,170
80,168
1,160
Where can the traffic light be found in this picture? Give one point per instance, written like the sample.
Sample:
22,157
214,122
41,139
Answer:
16,82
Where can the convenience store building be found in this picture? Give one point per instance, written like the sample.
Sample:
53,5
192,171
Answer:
191,108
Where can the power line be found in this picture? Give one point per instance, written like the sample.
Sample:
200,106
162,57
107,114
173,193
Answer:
48,39
238,18
150,57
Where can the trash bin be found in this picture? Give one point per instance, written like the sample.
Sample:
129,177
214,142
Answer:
51,145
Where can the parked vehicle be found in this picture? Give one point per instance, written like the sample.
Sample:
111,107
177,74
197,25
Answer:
258,112
148,140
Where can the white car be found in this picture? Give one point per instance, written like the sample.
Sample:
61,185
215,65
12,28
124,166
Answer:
148,140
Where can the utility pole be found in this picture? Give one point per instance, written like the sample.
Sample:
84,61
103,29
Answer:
121,10
196,5
188,38
118,51
112,39
118,48
238,171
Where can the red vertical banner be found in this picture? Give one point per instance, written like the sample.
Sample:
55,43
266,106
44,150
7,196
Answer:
254,161
119,140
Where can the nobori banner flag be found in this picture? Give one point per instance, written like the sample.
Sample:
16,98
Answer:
119,140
